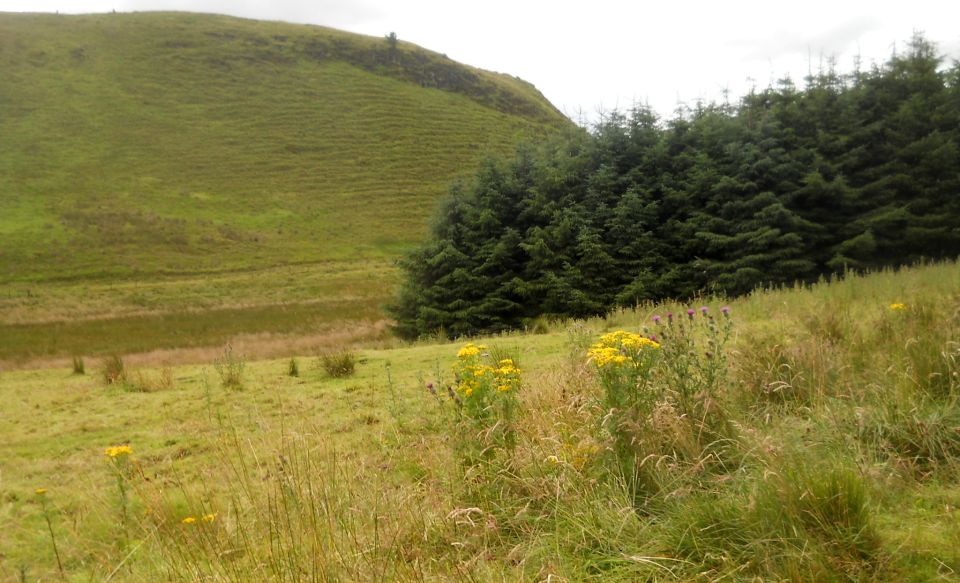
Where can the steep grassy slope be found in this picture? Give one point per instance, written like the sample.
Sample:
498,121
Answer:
141,145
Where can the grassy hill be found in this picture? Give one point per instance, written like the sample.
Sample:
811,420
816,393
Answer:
826,449
152,148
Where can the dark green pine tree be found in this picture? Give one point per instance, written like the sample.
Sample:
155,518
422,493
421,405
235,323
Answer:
638,252
439,288
902,162
852,171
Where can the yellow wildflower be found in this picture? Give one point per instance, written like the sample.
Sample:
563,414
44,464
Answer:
470,349
553,459
209,517
629,340
189,520
40,491
118,451
898,306
477,379
507,370
619,347
602,355
481,369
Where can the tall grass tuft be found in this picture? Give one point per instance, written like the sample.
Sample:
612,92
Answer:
143,382
114,370
920,436
78,366
230,366
338,364
796,520
777,374
295,514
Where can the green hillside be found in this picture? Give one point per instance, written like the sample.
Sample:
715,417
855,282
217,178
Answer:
153,148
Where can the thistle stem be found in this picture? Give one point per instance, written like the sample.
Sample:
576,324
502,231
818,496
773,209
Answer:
53,540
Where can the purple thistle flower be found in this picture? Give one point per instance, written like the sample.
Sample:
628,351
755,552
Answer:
703,310
690,312
725,310
653,337
430,388
656,319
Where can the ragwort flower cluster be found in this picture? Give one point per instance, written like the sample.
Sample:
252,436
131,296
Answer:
621,348
479,378
487,382
625,362
118,451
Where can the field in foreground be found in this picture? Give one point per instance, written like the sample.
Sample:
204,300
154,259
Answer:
818,442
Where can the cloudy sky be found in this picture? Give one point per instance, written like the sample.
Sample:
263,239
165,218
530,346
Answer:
592,56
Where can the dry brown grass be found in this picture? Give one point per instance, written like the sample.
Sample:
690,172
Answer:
260,346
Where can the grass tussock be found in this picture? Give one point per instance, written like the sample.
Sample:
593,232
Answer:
230,367
147,382
797,520
338,363
114,370
293,511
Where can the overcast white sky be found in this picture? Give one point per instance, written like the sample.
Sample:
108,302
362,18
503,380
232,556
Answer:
585,56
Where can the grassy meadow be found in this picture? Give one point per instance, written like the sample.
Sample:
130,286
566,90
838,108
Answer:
180,318
147,155
810,434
